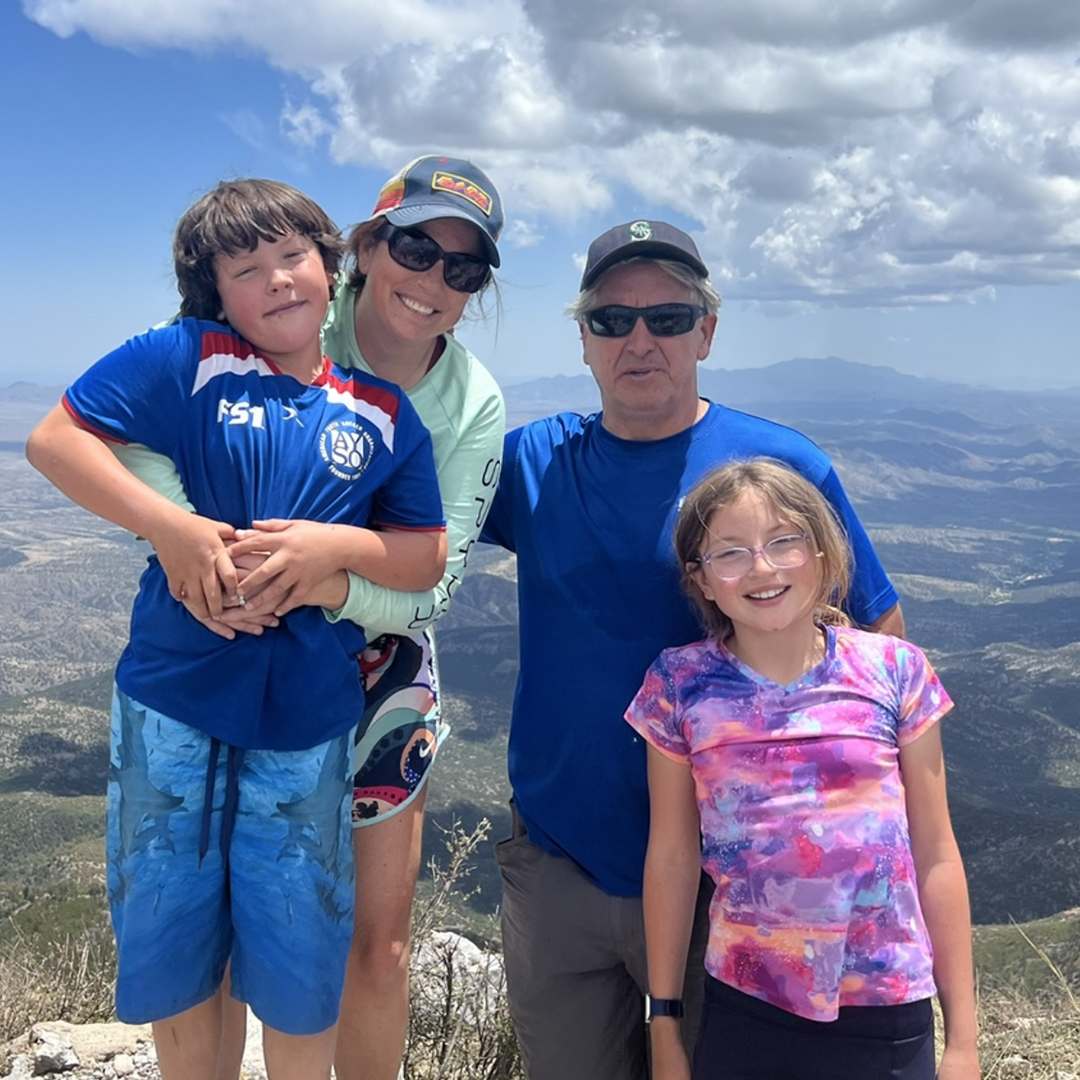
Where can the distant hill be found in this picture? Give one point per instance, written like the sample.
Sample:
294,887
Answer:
829,382
24,393
1008,956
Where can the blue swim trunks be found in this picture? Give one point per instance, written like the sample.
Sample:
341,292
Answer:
276,897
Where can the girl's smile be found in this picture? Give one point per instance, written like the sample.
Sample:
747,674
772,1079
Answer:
769,594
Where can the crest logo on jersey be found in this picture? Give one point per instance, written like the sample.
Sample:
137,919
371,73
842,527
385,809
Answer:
346,448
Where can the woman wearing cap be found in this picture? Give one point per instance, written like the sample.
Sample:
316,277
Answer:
393,320
429,246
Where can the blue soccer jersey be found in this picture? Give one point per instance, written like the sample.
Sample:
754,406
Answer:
251,443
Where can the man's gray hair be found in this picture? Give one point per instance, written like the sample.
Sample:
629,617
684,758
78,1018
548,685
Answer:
707,295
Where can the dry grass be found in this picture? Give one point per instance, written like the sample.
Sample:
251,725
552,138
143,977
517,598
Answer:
1021,1041
69,979
1025,1039
459,1020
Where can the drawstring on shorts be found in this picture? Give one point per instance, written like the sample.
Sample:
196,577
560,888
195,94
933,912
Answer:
233,763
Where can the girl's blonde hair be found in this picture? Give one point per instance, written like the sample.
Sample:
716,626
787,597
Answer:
796,500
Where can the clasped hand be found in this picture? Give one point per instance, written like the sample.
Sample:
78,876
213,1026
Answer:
246,579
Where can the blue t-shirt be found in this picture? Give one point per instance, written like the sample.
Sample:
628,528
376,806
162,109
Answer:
252,443
590,517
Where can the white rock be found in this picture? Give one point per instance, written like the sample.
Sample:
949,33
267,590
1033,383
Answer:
99,1042
1026,1023
52,1050
449,963
253,1067
123,1065
20,1068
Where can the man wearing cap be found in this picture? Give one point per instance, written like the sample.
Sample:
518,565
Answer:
588,504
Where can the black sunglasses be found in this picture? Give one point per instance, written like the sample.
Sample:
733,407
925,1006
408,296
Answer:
416,251
662,320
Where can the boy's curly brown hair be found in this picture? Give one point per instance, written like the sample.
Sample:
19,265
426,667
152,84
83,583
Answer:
234,217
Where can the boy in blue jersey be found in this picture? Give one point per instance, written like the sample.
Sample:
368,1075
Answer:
229,798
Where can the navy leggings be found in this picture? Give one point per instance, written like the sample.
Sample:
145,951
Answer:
742,1038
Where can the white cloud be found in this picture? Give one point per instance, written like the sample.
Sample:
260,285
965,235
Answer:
522,234
482,93
919,151
305,37
304,125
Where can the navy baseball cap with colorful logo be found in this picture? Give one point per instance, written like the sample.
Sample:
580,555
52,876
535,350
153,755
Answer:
641,239
438,187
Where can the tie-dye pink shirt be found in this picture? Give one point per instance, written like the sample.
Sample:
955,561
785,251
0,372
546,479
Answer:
804,826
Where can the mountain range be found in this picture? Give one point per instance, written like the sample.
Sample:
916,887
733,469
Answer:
972,498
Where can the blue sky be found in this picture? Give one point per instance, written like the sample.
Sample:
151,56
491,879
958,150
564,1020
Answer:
893,184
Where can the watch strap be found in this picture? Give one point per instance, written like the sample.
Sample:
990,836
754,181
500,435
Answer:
654,1006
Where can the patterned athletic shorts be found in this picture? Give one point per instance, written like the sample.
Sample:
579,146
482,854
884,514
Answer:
401,729
276,898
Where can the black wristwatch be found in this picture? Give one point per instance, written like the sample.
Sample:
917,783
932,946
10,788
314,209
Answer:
655,1006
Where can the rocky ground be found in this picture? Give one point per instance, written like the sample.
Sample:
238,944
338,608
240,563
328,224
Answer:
453,980
101,1052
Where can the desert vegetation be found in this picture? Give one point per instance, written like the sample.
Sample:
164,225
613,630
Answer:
460,1028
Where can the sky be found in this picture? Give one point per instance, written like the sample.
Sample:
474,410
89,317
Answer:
893,182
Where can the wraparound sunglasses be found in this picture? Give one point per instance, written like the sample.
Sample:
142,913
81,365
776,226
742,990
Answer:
662,320
416,251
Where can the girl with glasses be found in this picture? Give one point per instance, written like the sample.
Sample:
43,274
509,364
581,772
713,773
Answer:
427,250
798,761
